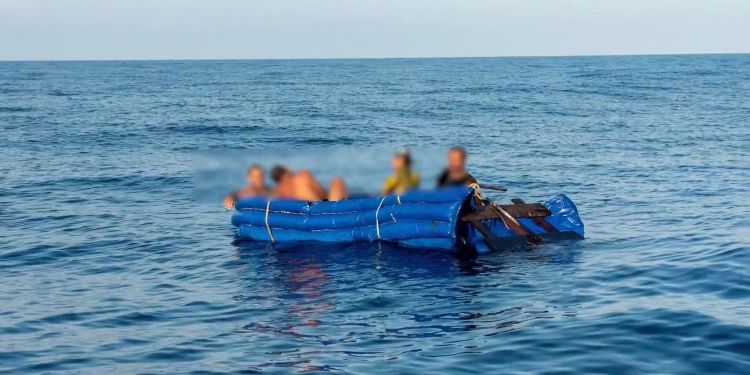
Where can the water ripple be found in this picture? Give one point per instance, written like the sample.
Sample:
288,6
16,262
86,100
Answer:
116,257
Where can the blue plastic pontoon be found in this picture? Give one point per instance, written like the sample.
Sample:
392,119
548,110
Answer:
446,219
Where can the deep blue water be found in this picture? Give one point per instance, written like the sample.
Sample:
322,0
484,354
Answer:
115,255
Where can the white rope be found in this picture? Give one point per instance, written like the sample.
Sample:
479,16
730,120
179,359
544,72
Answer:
377,224
398,199
268,228
477,192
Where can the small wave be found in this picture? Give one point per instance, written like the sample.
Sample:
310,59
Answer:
212,129
61,93
16,109
10,90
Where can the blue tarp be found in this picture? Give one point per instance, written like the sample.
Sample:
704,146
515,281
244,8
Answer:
563,217
417,218
428,219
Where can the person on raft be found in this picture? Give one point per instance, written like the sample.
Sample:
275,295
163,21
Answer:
403,177
256,186
455,173
303,186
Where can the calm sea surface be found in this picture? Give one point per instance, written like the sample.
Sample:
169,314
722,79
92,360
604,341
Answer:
116,257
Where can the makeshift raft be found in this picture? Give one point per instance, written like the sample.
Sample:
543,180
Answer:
446,219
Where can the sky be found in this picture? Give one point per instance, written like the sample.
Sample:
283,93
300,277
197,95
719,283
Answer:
267,29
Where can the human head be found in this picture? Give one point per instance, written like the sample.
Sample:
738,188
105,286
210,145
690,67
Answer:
255,176
401,160
456,159
278,173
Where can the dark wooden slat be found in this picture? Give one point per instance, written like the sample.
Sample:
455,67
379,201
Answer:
514,225
490,238
526,210
537,219
517,211
496,212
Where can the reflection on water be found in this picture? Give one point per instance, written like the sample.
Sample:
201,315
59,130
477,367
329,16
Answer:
367,300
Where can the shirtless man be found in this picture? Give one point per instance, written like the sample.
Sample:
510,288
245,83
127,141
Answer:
303,186
256,186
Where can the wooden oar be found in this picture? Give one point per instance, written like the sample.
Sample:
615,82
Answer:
492,187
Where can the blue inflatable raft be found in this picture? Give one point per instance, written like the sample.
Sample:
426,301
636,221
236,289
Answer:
447,219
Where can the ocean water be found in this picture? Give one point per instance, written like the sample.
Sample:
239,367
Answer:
116,256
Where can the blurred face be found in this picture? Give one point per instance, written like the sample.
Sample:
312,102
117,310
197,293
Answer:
255,178
398,162
456,161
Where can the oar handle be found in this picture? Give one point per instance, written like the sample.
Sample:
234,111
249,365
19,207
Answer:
493,187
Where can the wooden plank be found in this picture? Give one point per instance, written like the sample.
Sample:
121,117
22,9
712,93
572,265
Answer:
497,212
510,222
516,211
490,238
526,210
516,226
539,220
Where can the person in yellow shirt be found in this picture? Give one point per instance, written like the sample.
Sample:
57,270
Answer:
403,177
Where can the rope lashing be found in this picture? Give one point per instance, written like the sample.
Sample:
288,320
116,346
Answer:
477,192
268,227
377,224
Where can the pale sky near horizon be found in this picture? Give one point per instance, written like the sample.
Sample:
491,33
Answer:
257,29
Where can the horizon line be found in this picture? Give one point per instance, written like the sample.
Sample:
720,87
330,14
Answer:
375,58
